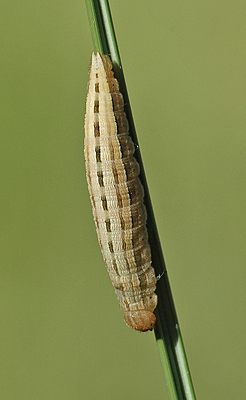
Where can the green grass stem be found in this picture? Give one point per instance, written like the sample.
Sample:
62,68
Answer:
167,330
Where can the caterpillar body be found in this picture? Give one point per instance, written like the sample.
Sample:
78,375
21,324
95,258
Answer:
117,197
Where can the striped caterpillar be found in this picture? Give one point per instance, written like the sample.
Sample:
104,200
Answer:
117,197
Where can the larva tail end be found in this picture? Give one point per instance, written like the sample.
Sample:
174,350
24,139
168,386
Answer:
140,320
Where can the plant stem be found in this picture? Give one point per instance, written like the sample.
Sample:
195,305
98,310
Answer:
167,330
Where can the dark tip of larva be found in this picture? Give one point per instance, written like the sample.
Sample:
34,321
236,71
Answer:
140,320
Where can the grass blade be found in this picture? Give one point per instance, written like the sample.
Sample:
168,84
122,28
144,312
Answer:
167,330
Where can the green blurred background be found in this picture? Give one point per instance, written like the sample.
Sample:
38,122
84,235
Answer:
62,335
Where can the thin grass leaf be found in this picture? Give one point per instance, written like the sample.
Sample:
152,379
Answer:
167,330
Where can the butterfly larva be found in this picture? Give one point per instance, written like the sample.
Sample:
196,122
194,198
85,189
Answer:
117,197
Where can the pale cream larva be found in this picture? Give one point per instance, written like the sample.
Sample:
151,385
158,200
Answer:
117,197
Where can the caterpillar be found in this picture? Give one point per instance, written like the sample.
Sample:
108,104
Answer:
116,196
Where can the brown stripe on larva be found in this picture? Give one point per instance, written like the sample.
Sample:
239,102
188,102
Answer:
97,87
96,129
98,153
96,106
117,197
